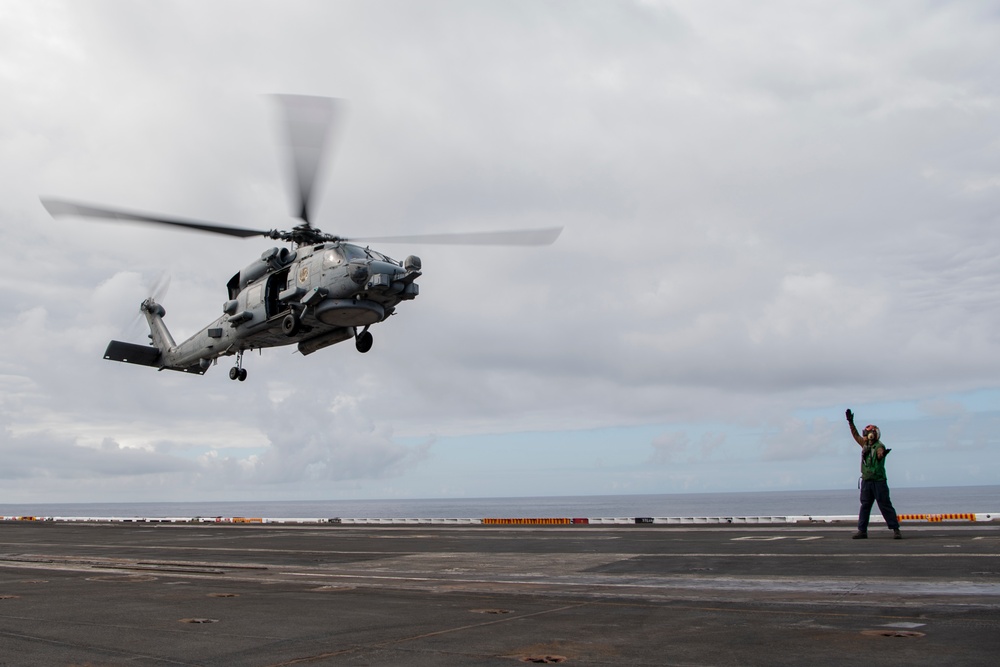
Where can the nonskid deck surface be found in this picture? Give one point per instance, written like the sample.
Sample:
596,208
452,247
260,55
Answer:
163,594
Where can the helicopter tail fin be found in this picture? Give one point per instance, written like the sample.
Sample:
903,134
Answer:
158,332
159,355
145,355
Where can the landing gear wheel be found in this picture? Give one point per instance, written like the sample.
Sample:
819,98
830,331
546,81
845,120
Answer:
290,325
237,372
364,342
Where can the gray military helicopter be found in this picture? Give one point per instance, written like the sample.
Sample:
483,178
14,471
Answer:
319,290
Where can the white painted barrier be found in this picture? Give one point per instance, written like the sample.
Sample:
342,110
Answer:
459,521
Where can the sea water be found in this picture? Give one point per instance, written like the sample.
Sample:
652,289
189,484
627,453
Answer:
917,500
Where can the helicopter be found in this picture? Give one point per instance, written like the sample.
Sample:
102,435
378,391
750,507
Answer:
319,290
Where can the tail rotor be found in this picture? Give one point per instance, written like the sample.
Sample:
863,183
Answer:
156,289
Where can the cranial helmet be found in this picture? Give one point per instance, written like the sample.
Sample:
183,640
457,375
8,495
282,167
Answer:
872,427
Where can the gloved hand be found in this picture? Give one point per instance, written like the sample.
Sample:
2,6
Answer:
850,416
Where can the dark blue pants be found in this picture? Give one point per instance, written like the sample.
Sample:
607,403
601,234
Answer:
873,491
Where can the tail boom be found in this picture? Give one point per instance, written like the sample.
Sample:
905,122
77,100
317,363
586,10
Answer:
163,354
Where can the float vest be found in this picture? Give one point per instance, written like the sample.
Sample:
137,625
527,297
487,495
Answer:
873,468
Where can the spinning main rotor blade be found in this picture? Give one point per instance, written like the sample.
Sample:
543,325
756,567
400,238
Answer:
522,237
310,122
57,207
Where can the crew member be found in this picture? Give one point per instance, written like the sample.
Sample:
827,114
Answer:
874,485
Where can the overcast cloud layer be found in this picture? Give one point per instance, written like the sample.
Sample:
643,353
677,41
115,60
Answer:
773,211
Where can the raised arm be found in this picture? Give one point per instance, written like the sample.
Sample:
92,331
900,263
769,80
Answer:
854,429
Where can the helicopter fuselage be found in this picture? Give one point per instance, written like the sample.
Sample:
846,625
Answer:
313,296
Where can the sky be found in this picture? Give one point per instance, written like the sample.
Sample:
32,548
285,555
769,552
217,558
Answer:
772,212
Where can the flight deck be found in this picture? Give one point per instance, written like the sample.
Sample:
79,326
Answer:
263,594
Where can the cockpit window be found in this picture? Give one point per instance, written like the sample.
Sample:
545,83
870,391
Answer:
332,258
384,258
357,252
353,251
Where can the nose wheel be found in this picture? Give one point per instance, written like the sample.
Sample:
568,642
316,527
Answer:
237,372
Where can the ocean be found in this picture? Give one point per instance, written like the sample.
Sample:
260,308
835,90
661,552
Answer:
917,500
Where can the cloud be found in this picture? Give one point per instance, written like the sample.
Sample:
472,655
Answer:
46,458
677,447
668,447
767,210
798,439
313,439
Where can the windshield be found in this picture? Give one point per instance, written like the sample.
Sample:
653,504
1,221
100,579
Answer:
353,251
357,252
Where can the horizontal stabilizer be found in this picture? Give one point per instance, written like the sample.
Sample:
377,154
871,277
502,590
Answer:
144,355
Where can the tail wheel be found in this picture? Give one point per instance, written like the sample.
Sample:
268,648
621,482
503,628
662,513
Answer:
237,372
